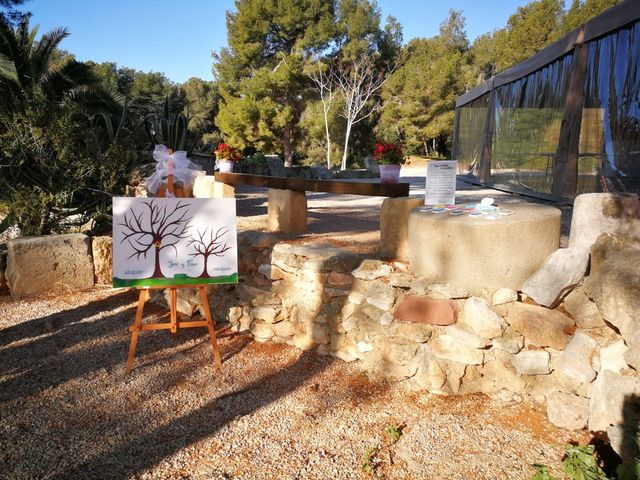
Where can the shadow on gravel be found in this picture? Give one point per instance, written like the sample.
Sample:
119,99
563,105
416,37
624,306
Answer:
71,343
132,458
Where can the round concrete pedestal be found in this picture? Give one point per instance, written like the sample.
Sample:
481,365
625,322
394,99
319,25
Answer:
475,253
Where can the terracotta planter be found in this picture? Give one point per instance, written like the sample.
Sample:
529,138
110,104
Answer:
389,173
225,167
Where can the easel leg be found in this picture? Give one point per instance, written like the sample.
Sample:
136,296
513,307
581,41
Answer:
135,331
212,330
173,304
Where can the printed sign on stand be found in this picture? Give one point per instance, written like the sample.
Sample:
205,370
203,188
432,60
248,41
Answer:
174,242
441,182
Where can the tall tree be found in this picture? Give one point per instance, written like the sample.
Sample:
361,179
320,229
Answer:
262,70
324,80
420,95
582,11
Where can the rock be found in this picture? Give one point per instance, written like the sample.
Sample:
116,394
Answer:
101,249
509,342
380,294
455,372
49,264
612,358
261,329
420,309
371,269
447,347
598,213
582,310
568,411
401,279
544,327
303,341
416,332
501,376
401,350
608,396
632,357
373,312
467,338
531,362
419,286
504,295
541,386
285,329
386,319
336,279
268,314
360,327
265,269
563,269
480,319
615,288
443,291
575,360
356,298
320,334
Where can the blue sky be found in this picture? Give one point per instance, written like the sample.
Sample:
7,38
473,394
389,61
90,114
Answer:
176,37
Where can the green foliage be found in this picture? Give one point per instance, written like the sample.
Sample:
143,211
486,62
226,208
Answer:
542,473
581,463
172,131
395,432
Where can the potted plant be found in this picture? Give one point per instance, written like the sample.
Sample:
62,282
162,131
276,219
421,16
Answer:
226,157
389,157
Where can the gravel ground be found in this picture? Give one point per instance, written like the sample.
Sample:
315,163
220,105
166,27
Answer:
271,412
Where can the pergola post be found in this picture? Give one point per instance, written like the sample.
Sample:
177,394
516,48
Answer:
565,170
487,139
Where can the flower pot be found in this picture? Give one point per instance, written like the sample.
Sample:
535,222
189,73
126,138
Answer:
389,173
225,167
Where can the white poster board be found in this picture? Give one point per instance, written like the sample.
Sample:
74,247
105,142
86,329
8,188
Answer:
441,182
174,241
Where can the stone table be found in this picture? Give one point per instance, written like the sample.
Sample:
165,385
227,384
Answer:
475,253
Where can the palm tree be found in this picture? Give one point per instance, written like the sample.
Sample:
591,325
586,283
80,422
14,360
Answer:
28,66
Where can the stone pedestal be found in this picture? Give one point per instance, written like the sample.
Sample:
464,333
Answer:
205,186
394,226
287,211
481,253
49,264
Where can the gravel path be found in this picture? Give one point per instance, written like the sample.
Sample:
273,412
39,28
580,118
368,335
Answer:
272,412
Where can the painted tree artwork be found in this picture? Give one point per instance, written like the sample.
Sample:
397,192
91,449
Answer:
174,241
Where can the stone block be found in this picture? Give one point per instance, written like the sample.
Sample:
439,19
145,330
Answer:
568,411
447,347
532,362
612,357
575,360
371,269
610,392
504,295
49,264
582,310
394,226
101,248
542,326
420,309
477,317
598,213
205,186
380,294
479,253
287,211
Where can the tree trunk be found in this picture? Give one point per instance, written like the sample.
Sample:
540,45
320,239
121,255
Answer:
157,273
426,147
346,146
326,128
286,145
204,273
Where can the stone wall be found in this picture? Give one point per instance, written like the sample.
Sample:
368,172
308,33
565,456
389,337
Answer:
579,359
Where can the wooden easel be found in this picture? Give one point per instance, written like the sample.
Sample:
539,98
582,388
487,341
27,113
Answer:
173,324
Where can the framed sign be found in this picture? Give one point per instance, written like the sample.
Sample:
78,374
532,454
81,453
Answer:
163,242
441,182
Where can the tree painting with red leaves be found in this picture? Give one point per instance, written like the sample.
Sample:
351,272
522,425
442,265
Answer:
155,228
209,245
